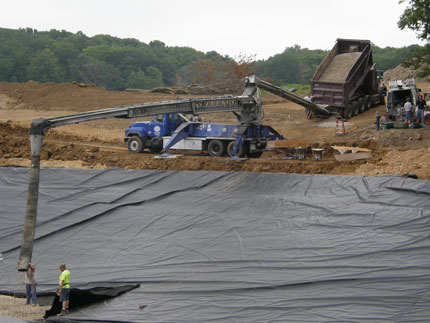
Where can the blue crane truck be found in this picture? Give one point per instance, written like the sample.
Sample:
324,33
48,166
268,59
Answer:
249,138
175,131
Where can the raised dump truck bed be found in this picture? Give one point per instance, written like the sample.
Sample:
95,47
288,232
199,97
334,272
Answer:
346,79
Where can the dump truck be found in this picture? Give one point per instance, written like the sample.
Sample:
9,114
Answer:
346,80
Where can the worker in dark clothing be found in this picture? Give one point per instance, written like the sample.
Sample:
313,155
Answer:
421,105
307,110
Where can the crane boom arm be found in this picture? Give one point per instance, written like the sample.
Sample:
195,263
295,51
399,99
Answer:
317,108
244,104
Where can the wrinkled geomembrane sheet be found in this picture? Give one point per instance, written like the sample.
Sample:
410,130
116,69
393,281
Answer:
227,247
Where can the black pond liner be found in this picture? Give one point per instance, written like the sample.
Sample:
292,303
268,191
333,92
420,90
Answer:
84,297
224,247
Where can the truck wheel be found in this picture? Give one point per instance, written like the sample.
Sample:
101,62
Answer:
361,107
255,154
135,144
155,150
156,145
239,153
216,148
354,108
346,112
367,102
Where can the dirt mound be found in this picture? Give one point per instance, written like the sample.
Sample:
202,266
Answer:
71,97
400,73
218,88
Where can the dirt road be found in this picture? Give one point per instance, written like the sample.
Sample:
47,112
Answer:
99,144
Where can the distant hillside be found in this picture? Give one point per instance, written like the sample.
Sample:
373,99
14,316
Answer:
60,56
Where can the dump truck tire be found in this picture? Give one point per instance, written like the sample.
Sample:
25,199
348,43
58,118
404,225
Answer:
135,144
361,106
354,108
156,145
346,112
216,148
367,102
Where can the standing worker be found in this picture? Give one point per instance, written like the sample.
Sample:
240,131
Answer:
307,110
421,105
64,290
408,108
30,284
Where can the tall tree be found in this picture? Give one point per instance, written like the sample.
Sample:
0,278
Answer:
417,17
45,67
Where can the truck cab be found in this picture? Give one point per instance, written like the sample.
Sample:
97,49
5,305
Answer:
149,134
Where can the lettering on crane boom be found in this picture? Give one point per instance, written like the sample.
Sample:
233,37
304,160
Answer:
218,105
184,107
194,106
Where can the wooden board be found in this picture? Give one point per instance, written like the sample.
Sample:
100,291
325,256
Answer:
166,157
275,144
346,157
350,148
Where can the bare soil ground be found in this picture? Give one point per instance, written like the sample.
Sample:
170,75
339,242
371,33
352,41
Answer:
16,307
99,144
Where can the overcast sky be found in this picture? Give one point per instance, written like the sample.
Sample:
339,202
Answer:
230,27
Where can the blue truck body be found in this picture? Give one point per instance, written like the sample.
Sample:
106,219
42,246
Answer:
174,131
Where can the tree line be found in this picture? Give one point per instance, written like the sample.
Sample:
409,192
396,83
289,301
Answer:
59,56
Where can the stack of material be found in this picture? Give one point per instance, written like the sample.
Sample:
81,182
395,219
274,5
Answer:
339,67
352,153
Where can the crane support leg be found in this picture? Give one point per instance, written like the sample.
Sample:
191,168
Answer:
179,134
240,138
28,234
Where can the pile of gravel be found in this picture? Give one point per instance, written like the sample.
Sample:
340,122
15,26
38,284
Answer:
339,67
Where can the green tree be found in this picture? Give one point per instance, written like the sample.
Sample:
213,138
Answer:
6,68
154,77
103,74
45,67
417,17
14,59
151,78
136,80
281,69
